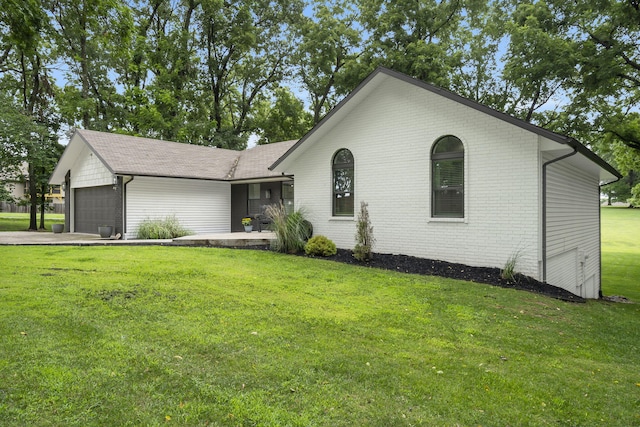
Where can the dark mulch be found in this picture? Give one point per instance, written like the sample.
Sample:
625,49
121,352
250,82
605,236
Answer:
491,276
429,267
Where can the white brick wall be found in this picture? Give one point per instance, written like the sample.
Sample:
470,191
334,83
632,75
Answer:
390,134
89,171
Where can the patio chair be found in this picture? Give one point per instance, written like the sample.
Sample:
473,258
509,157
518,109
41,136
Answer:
263,220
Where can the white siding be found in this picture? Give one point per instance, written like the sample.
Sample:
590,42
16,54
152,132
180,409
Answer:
573,229
200,206
89,171
390,134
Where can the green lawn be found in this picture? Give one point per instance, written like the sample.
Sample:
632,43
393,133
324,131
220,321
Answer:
621,252
197,336
20,221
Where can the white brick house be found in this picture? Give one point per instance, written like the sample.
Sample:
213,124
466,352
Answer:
445,178
505,187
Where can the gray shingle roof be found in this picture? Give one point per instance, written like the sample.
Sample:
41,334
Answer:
254,162
130,155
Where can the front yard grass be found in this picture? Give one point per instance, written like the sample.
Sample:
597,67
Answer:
20,221
199,336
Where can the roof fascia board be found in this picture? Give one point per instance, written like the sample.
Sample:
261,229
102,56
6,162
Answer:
125,173
283,178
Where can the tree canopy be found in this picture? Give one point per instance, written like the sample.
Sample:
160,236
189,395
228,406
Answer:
217,72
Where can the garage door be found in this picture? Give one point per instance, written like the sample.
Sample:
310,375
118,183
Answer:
94,206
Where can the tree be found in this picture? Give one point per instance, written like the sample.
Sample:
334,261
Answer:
88,35
479,73
15,129
283,120
541,62
328,48
29,120
246,46
159,70
621,191
415,38
605,90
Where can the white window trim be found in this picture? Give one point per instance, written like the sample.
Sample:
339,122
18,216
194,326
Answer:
463,220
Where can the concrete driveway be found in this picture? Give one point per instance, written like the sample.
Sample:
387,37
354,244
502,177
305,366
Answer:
49,238
81,239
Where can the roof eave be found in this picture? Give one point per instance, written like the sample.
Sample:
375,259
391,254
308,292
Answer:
198,178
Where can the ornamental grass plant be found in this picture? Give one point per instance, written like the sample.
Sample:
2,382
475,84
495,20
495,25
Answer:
168,228
292,230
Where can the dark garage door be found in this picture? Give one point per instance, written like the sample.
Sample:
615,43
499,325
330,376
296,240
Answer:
94,206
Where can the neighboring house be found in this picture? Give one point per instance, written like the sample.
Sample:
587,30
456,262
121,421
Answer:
17,186
15,183
55,196
446,178
121,180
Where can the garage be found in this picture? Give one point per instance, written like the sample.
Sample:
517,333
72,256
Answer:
122,180
94,206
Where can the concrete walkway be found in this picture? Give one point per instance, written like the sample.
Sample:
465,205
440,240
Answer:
81,239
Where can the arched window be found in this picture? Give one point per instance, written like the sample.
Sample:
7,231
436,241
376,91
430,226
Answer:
447,178
342,167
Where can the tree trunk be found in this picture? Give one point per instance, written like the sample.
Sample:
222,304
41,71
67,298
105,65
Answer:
43,191
33,196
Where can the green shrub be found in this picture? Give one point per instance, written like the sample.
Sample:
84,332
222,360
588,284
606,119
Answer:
364,235
320,246
291,230
168,228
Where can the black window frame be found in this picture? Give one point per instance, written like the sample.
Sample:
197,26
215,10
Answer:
340,194
447,200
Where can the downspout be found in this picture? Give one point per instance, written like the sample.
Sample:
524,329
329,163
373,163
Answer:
600,243
544,209
124,206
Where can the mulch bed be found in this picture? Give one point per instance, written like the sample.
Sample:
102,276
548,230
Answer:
429,267
490,276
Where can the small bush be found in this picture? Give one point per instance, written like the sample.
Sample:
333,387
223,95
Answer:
168,228
291,230
364,235
320,246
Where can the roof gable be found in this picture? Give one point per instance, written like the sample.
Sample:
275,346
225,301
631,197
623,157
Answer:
381,74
